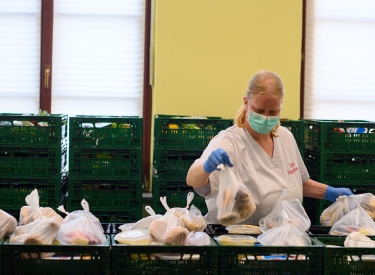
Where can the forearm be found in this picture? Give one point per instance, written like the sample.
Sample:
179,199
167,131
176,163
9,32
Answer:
314,189
197,176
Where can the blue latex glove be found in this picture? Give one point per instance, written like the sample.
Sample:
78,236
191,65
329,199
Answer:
333,193
216,157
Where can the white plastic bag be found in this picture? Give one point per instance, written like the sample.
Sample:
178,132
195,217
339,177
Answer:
8,224
234,202
284,212
356,239
344,204
198,239
357,220
145,222
43,230
81,227
27,215
285,235
169,229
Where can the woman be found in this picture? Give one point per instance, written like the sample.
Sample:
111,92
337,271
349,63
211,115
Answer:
263,155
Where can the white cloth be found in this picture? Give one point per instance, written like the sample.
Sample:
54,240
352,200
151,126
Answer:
265,177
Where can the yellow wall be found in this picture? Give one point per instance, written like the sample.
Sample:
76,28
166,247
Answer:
205,52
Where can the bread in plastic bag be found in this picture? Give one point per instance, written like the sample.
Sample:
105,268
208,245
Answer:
41,231
193,220
27,215
285,235
234,202
168,230
81,227
8,224
284,212
344,204
357,220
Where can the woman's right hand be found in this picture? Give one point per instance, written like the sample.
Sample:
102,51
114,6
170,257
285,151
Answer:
216,157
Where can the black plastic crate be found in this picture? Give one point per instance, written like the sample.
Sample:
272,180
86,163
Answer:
32,163
105,163
340,260
161,259
45,131
105,195
118,132
173,164
67,259
181,132
340,168
299,260
348,136
14,191
176,193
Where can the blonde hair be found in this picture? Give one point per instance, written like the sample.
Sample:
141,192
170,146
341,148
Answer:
263,82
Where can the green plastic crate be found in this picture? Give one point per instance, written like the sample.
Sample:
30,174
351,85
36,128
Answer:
346,260
68,259
119,132
178,132
32,163
158,259
14,191
337,136
105,194
52,134
314,208
174,164
176,193
245,260
340,168
115,216
296,127
105,163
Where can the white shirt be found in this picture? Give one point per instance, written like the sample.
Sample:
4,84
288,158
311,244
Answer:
265,177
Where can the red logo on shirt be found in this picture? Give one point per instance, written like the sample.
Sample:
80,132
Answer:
293,168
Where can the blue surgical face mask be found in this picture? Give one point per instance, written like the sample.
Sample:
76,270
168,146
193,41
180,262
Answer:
262,124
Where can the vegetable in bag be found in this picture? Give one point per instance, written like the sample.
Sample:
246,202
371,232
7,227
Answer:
81,227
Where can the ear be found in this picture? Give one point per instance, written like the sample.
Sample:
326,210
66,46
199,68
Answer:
245,101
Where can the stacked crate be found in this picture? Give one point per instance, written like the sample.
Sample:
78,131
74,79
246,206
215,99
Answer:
33,154
178,142
340,154
296,127
105,166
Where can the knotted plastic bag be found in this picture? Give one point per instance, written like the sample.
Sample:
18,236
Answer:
8,224
344,204
284,212
27,215
287,234
357,220
43,230
168,230
234,202
81,227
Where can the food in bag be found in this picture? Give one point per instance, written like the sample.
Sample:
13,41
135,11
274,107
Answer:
234,202
344,204
43,230
169,229
81,227
357,220
133,237
284,212
236,240
8,224
27,215
285,235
